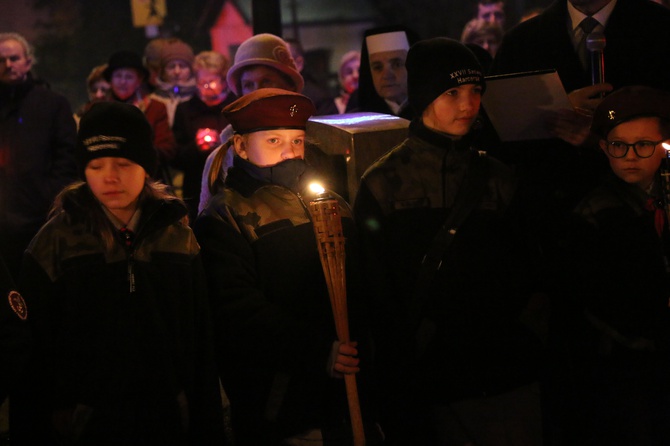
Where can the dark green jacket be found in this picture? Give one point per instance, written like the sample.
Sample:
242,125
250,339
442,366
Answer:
475,300
141,361
273,320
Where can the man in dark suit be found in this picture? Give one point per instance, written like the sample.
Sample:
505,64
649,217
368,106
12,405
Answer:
637,33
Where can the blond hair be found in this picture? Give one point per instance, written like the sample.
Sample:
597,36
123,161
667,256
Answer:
213,61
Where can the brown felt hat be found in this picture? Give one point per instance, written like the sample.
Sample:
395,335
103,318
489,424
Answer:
264,49
175,49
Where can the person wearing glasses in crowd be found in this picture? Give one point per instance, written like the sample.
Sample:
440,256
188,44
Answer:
616,321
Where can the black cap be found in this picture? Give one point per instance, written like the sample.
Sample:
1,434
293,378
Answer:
124,59
628,103
436,65
119,130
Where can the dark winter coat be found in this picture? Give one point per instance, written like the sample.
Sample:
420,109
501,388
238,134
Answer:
621,263
613,322
37,138
139,361
477,346
273,321
15,339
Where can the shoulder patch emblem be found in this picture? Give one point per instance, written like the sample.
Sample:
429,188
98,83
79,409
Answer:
18,305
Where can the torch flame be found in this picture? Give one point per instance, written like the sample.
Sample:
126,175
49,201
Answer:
316,188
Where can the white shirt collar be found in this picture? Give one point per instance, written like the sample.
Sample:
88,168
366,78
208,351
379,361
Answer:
601,16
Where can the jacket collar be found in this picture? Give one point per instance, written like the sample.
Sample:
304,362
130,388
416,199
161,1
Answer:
155,213
418,129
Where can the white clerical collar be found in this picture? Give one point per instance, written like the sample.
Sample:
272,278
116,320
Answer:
395,107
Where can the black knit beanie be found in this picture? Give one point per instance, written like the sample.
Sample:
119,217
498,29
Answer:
436,65
119,130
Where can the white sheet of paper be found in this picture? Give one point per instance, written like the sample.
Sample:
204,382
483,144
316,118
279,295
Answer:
518,104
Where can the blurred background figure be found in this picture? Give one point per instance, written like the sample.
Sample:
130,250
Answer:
126,75
98,90
175,82
492,11
198,123
487,35
383,78
348,75
152,61
37,138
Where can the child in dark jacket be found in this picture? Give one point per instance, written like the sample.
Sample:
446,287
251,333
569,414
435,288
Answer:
118,305
617,320
273,322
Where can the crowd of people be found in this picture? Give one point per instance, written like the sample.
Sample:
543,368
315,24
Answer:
162,281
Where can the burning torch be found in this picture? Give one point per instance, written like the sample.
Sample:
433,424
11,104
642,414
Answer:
327,222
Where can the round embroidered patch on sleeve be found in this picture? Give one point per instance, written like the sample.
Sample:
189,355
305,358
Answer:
18,305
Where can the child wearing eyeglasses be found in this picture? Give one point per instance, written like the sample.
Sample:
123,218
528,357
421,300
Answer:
615,319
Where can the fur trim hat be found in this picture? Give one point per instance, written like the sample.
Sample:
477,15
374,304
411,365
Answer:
264,49
269,108
117,130
175,49
436,65
628,103
124,59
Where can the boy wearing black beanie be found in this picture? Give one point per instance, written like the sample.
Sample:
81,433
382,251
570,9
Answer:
121,335
449,271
